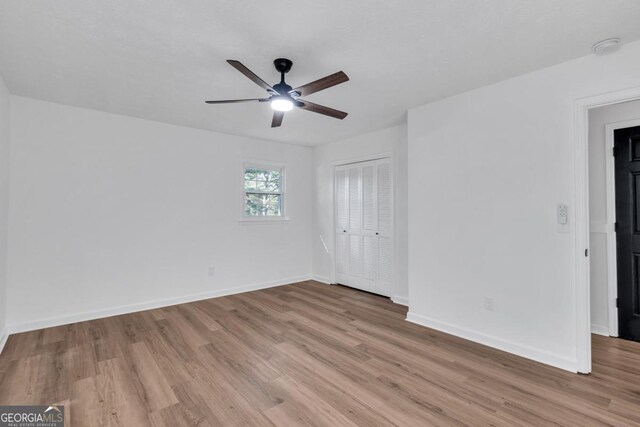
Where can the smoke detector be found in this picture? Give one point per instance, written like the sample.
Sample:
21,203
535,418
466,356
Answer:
606,46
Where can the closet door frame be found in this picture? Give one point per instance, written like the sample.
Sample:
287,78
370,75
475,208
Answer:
340,163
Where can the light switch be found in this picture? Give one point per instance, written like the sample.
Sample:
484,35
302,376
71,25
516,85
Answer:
563,218
562,214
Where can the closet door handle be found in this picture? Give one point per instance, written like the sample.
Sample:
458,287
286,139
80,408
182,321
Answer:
344,231
377,233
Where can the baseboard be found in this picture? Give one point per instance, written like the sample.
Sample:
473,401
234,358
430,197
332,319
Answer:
600,330
321,279
400,300
541,356
132,308
4,335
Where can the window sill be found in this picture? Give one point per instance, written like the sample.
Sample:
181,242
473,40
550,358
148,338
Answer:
262,221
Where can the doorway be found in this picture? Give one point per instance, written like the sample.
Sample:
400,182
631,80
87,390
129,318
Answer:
611,205
582,251
364,225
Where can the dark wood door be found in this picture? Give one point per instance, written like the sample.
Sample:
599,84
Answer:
627,152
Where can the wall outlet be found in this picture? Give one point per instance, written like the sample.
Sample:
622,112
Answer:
488,304
211,271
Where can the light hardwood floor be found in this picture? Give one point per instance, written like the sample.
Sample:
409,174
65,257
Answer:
303,354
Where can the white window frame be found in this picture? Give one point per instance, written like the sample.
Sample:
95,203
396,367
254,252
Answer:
270,166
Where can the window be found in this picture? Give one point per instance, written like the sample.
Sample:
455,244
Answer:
263,192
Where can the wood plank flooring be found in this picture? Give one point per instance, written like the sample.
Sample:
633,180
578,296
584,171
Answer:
303,354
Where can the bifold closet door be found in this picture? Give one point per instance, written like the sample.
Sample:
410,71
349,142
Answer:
358,188
355,222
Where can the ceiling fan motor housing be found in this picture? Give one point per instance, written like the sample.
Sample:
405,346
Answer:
282,88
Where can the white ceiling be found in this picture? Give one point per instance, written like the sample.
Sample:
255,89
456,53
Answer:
160,59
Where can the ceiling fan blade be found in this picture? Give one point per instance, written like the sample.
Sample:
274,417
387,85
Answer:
321,109
233,101
321,84
277,119
250,74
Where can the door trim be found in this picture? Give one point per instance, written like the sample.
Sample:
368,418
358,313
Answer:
612,264
582,289
360,159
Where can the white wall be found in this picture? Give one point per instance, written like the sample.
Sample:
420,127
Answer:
487,169
391,140
4,203
110,213
599,226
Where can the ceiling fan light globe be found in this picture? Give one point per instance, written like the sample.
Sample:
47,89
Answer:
281,104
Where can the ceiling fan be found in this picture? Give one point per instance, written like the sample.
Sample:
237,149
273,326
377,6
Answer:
283,97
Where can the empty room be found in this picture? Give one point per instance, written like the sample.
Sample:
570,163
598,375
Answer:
292,213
